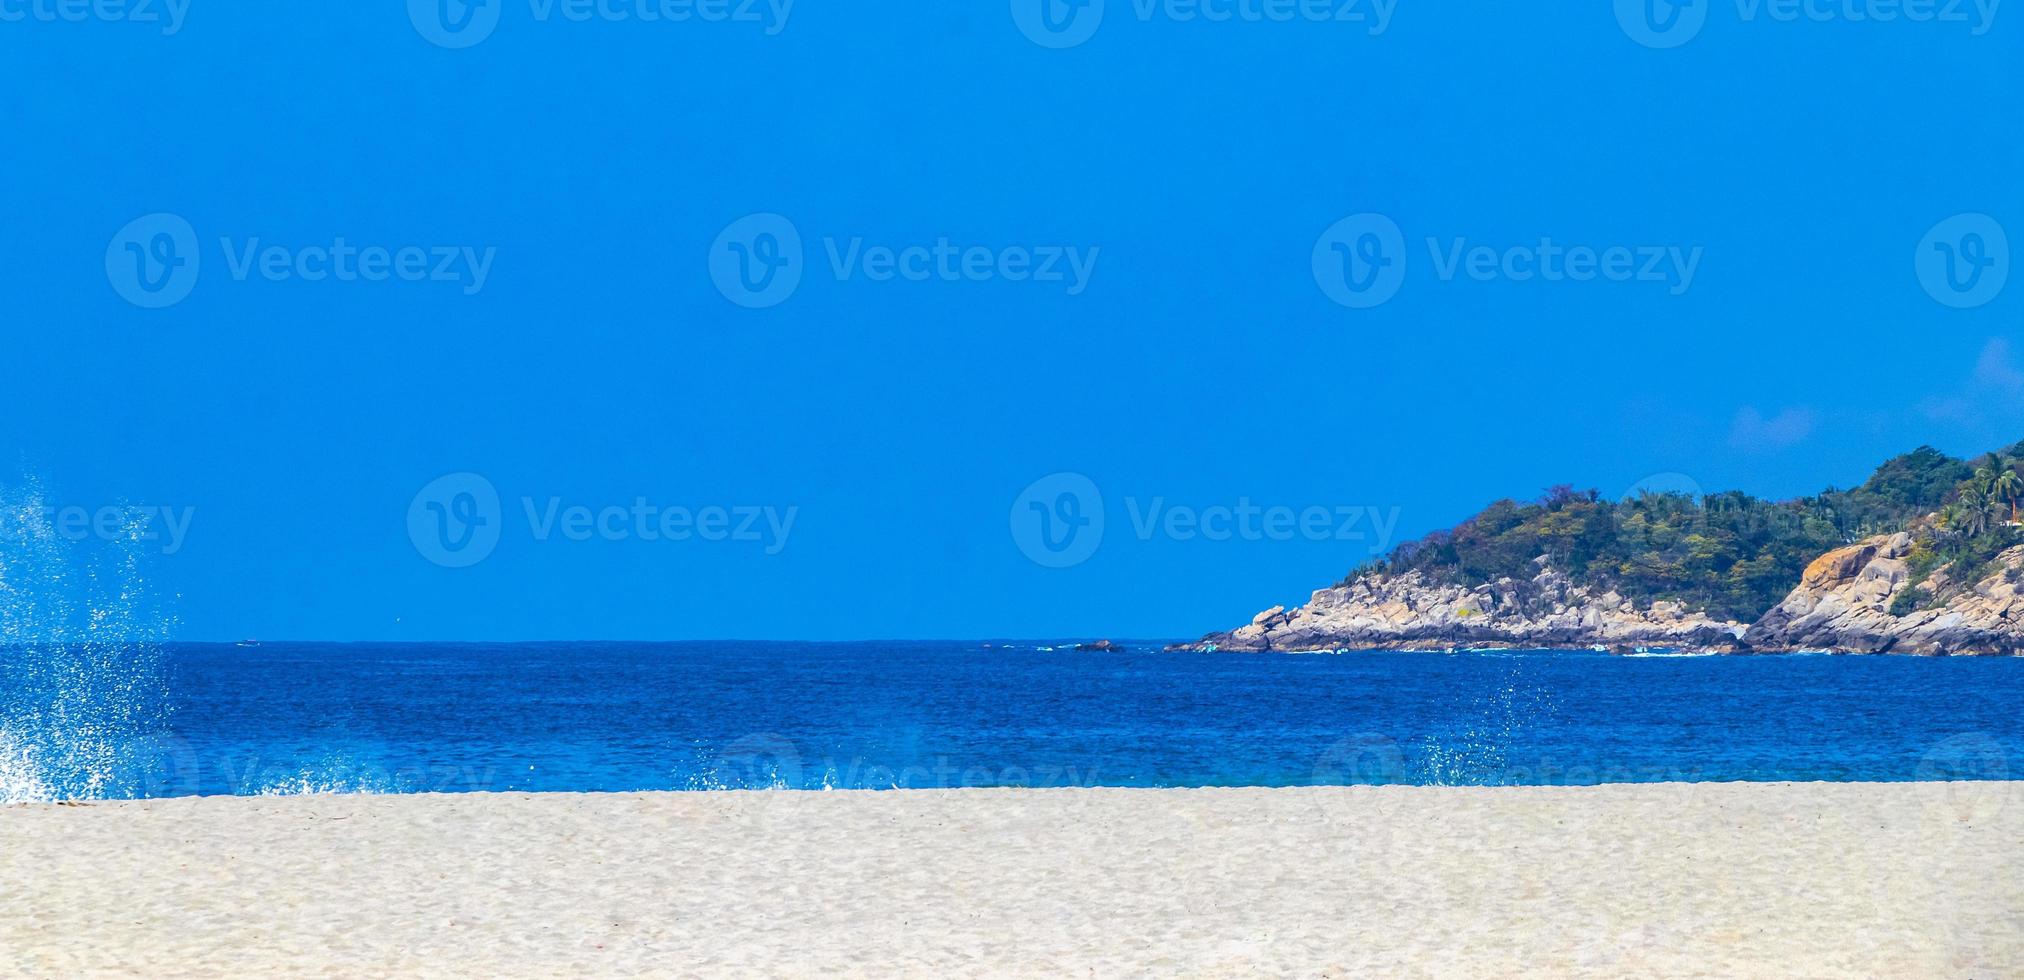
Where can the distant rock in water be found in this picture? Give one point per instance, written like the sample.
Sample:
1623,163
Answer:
1100,646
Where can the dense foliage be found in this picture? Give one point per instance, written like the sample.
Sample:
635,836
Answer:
1729,554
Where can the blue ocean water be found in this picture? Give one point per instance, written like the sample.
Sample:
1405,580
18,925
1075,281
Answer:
307,717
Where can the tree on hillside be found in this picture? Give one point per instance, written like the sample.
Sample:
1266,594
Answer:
1728,554
2005,483
1971,512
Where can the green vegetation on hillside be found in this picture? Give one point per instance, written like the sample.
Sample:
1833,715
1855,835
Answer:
1729,554
1978,523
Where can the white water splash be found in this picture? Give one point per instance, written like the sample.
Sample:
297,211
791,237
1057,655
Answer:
1478,755
336,774
83,697
20,778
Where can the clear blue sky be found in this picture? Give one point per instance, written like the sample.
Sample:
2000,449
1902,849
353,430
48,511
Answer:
1200,365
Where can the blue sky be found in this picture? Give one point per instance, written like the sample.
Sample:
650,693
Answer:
902,429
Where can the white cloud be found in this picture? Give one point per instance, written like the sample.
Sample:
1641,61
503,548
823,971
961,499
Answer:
1752,431
1996,369
1990,403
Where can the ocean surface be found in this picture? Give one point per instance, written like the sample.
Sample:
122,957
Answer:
278,718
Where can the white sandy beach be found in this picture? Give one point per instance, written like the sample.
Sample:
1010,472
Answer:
1904,880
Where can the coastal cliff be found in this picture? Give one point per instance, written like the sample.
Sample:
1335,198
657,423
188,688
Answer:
1925,558
1845,604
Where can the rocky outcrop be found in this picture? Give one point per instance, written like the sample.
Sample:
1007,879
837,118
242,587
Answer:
1409,613
1843,604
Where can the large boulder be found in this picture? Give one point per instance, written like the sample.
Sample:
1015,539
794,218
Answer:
1843,604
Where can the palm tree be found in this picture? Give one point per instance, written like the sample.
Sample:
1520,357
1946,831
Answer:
1975,504
2006,483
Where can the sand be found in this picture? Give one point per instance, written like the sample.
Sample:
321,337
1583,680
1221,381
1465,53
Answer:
1904,880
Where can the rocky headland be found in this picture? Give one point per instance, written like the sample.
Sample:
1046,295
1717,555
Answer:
1408,613
1721,574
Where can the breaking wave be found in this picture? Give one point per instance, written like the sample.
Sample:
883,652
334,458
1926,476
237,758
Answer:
84,706
335,774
